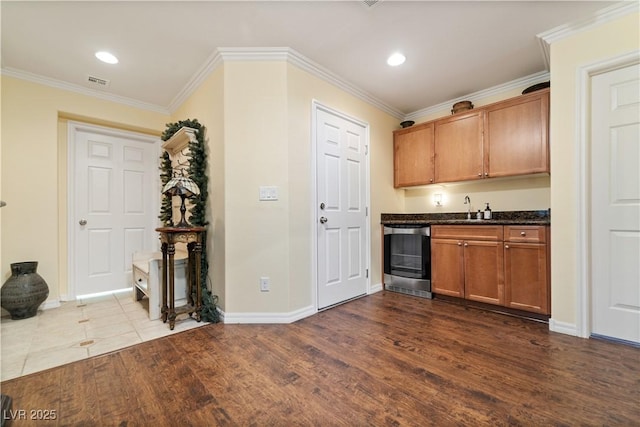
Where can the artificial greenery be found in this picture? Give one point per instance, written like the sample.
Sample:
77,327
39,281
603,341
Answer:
197,171
166,209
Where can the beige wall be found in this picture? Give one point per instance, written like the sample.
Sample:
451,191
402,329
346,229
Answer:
303,89
34,170
567,55
258,116
256,154
206,105
503,194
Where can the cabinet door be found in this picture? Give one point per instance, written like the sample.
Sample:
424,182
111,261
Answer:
413,156
458,147
516,136
447,269
484,272
526,278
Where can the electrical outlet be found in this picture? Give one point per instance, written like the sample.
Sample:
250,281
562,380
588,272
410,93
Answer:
264,284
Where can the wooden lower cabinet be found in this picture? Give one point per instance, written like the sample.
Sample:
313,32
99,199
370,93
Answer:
447,267
464,262
526,261
512,272
483,272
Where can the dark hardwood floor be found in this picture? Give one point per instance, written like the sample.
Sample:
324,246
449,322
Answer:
385,359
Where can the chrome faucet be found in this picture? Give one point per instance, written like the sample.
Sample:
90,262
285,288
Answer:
467,201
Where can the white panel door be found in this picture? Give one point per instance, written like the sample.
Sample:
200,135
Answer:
115,207
341,208
615,204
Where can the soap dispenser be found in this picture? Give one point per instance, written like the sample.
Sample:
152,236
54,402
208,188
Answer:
479,215
487,212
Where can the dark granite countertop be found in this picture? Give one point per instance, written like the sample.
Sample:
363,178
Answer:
460,218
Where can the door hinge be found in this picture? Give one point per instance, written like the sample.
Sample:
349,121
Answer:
366,211
366,150
367,273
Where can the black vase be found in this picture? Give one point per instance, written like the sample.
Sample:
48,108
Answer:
24,291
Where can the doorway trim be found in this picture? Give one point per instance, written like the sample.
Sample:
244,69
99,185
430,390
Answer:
583,129
315,107
72,128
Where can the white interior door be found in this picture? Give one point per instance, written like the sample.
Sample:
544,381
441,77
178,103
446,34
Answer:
115,206
615,204
342,232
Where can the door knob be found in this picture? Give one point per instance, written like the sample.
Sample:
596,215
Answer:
82,222
323,220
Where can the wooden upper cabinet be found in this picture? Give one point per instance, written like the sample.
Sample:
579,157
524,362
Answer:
506,138
413,156
458,147
516,135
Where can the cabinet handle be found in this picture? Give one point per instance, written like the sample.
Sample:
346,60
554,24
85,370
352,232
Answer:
479,173
431,180
486,174
522,233
459,244
466,244
506,246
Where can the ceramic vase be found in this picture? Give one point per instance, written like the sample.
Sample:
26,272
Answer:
24,291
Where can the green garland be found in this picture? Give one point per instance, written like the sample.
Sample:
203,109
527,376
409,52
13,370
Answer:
166,209
197,171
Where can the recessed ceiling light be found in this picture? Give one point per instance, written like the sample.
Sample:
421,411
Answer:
106,57
396,59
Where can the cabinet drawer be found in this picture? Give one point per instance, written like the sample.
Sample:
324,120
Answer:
525,233
467,232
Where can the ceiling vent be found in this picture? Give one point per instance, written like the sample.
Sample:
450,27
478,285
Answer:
97,81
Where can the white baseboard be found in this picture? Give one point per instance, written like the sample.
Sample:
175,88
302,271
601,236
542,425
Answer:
54,303
563,328
375,288
65,298
229,318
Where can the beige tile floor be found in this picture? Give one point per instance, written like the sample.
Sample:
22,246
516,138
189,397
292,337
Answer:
77,330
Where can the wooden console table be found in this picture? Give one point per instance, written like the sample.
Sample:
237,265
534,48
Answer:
192,237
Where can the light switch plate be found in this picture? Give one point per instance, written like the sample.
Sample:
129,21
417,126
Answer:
268,193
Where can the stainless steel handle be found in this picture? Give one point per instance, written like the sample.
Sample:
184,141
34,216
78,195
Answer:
323,220
82,222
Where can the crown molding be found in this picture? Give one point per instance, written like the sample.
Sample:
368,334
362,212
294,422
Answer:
532,79
600,17
319,71
59,84
285,54
205,70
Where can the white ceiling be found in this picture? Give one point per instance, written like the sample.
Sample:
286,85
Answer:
453,48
